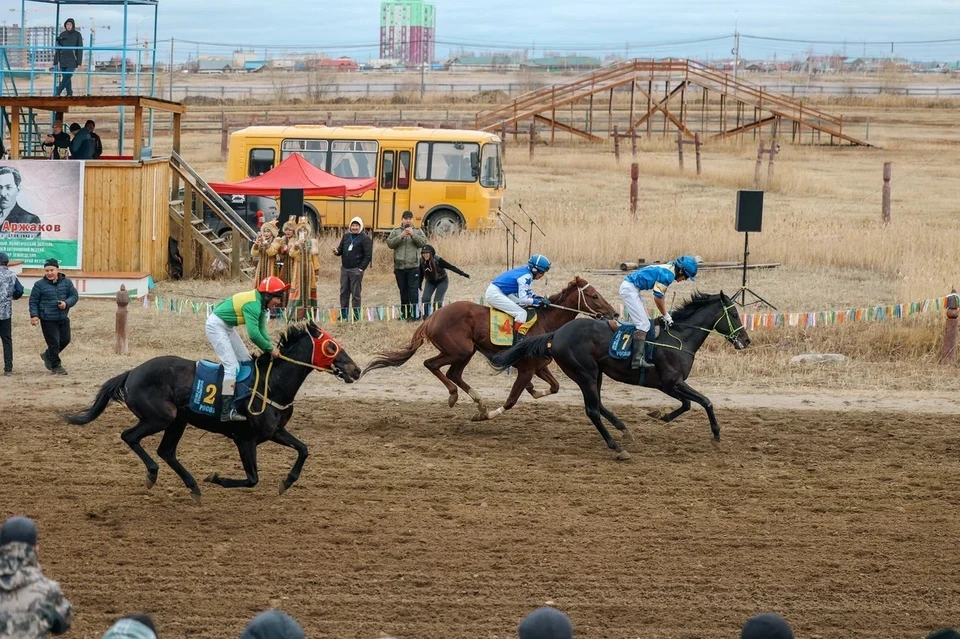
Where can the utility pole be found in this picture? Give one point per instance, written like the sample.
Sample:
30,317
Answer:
736,52
170,92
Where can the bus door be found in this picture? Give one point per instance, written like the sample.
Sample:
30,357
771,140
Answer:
393,193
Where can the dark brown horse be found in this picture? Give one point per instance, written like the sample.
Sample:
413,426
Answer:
460,329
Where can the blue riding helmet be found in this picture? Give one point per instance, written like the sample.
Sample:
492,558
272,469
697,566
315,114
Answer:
538,263
688,265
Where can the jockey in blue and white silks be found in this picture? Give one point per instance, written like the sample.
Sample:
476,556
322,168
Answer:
510,290
656,277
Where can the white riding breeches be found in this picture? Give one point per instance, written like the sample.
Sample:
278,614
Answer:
229,348
506,303
632,301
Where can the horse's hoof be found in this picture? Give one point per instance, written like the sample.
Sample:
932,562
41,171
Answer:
623,456
480,417
211,478
195,496
452,400
627,437
151,481
283,486
539,394
656,414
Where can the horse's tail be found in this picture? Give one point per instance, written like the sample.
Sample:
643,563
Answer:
537,347
111,391
400,357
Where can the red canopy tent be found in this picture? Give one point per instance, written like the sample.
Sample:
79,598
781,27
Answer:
296,173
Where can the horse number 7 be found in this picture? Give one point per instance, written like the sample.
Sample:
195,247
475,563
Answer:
626,338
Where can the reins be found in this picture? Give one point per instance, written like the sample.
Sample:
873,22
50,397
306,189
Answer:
266,401
728,336
581,300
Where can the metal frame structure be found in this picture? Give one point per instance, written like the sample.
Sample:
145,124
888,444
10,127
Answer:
124,50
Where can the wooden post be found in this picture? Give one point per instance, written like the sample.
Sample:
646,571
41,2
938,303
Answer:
503,139
137,133
680,147
610,113
187,251
616,143
887,170
121,344
774,148
649,107
756,173
696,146
949,353
533,135
633,142
15,132
634,190
239,246
224,135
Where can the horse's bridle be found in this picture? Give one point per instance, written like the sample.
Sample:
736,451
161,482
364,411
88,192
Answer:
581,301
264,396
730,337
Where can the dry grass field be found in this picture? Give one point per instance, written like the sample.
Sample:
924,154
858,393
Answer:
832,498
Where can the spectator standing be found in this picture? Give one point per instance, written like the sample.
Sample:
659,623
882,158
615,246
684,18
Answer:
81,147
406,242
69,55
273,624
356,252
51,299
265,249
10,289
30,604
58,141
433,278
132,626
91,128
546,623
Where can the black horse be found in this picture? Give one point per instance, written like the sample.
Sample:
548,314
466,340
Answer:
580,348
158,393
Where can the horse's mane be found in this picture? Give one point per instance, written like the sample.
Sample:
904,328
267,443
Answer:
294,332
576,282
695,303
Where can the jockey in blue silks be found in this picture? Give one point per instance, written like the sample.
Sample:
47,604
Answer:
510,290
656,277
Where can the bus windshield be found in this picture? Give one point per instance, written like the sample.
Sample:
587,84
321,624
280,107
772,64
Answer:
491,174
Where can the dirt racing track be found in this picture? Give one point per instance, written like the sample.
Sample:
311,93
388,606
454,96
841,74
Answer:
414,522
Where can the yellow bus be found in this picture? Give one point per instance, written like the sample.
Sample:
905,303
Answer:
457,176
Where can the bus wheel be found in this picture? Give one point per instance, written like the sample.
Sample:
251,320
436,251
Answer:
444,223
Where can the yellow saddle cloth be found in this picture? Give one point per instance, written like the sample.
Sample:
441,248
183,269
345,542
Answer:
501,327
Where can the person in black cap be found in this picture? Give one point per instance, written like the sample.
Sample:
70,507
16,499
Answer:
30,604
433,278
51,299
767,625
81,147
10,289
69,56
546,623
406,242
273,624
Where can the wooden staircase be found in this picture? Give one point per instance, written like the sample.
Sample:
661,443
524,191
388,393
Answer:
667,96
204,252
31,140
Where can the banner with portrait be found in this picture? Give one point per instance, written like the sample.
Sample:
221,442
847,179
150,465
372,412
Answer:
41,211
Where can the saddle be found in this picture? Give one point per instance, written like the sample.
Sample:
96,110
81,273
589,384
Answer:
208,386
501,326
622,341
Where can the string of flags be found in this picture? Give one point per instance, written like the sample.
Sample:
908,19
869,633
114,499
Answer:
751,321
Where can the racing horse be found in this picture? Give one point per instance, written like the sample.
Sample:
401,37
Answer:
460,329
158,393
581,350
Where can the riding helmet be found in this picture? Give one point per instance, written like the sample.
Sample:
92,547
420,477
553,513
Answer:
687,264
538,263
272,286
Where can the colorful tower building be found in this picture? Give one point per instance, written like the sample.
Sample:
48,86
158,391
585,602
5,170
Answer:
407,29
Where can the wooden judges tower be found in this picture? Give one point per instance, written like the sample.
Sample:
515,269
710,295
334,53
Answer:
661,97
140,197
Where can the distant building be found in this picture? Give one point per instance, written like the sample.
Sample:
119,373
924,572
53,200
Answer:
32,37
484,63
563,63
209,66
407,31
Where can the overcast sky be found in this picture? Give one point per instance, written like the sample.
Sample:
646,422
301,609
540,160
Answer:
644,29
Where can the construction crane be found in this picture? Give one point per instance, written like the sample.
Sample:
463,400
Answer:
93,38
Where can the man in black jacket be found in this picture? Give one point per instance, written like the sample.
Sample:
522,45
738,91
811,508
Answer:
91,127
433,278
69,55
355,251
51,299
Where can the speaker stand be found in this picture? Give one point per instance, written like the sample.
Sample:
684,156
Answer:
744,290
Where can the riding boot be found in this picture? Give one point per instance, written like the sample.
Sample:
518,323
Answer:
227,412
517,335
637,360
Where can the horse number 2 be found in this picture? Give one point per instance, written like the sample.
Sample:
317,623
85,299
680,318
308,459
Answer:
211,394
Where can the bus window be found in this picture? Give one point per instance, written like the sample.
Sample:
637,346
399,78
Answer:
490,166
313,151
447,161
261,161
354,159
403,170
386,180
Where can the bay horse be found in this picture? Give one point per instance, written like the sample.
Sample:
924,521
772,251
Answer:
158,393
460,329
581,350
